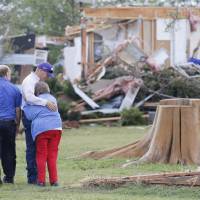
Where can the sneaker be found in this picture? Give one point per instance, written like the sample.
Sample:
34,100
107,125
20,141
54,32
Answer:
41,184
55,184
8,180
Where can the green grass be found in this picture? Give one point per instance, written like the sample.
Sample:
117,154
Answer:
72,171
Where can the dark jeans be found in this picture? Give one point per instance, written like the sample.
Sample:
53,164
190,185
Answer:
8,148
30,151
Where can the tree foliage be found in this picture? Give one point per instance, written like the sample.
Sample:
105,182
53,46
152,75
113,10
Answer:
42,17
6,15
132,116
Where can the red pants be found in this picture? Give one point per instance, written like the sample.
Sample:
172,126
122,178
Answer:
47,152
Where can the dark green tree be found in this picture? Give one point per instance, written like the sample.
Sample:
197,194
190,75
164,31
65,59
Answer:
47,16
42,17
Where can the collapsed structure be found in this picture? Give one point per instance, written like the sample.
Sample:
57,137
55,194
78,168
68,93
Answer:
133,36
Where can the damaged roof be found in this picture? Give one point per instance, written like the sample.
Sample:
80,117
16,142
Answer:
140,12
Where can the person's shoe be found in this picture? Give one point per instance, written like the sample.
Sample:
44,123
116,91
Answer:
8,180
40,184
55,184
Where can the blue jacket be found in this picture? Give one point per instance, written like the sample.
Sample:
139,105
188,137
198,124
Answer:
42,118
10,99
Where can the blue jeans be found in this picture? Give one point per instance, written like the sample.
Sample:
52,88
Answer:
30,151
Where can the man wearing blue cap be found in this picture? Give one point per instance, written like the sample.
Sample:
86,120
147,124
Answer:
42,73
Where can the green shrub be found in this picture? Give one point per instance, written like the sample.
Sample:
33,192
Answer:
55,86
69,91
74,116
63,108
132,116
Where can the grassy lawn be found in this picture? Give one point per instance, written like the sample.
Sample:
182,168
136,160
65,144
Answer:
71,171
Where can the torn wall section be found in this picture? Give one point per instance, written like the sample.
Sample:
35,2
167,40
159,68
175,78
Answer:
72,61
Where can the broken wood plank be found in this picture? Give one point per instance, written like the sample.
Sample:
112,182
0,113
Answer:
91,49
83,49
85,97
129,98
151,104
100,120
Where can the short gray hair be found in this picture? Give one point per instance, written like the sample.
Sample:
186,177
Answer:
41,88
4,70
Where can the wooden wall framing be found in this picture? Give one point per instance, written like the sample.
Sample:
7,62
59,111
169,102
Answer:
142,12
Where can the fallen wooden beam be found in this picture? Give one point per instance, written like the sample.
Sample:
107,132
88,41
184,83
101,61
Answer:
178,179
151,104
100,120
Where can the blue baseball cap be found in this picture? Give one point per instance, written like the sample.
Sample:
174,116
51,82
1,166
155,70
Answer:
47,67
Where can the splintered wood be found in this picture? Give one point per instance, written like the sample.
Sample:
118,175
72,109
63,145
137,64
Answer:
173,138
178,179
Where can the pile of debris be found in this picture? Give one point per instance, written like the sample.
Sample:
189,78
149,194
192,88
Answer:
120,37
127,54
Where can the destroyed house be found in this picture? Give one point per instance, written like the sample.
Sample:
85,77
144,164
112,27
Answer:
167,34
130,38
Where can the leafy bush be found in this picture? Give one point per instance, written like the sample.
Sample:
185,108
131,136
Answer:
132,116
74,116
69,91
55,86
63,108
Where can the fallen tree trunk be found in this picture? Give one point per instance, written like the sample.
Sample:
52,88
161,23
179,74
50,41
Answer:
175,179
173,138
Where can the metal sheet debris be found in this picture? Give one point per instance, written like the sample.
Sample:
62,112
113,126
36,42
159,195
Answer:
85,97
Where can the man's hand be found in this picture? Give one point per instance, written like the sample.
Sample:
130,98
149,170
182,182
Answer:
52,106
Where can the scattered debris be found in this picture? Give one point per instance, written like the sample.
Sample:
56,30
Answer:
188,70
127,86
157,60
171,179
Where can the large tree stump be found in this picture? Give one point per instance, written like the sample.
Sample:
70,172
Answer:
173,138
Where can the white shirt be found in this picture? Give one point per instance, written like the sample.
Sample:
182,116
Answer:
28,89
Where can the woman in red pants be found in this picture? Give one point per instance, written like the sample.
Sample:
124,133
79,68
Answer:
46,129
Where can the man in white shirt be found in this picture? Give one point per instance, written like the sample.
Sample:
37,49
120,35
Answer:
42,73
